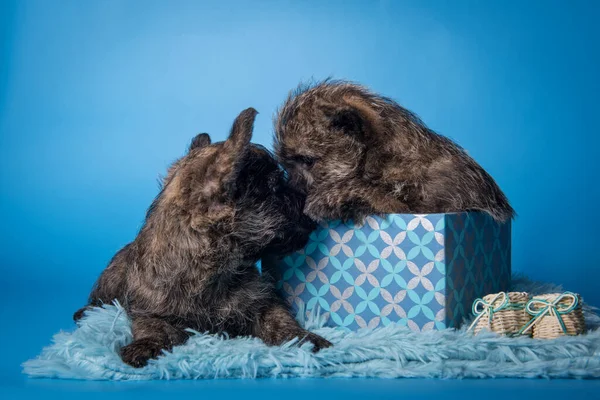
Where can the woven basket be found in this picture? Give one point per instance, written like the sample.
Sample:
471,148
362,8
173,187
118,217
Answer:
549,326
507,317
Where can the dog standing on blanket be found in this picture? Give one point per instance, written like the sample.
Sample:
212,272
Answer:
221,208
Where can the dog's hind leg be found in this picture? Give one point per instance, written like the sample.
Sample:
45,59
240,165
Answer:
150,337
275,326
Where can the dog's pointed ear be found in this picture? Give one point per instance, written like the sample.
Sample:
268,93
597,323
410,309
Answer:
201,140
241,132
235,149
346,119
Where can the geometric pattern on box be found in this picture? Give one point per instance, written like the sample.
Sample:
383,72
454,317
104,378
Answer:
418,270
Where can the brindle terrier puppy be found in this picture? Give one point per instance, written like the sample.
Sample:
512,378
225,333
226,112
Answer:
355,153
221,208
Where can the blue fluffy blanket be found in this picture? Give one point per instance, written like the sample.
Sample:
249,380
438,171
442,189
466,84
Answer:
91,352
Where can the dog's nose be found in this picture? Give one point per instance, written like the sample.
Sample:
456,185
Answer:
297,180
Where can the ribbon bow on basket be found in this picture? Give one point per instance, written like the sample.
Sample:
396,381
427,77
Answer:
557,309
482,307
505,312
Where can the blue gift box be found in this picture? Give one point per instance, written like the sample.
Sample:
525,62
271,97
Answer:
422,271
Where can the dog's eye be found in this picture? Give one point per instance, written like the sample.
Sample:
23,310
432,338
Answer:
304,160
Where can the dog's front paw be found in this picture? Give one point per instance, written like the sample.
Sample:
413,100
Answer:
318,342
138,352
80,313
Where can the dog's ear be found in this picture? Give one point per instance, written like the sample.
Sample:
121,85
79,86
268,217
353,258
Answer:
201,140
358,120
235,149
346,119
241,132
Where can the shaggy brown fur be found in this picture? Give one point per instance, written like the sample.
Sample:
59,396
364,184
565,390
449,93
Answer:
355,153
222,207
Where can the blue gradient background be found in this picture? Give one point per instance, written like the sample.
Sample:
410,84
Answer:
98,97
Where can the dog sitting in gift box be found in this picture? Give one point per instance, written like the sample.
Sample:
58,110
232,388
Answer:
355,153
192,265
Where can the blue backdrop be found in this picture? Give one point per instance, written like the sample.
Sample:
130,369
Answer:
98,97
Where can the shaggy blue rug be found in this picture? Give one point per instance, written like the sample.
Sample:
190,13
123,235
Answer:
91,352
